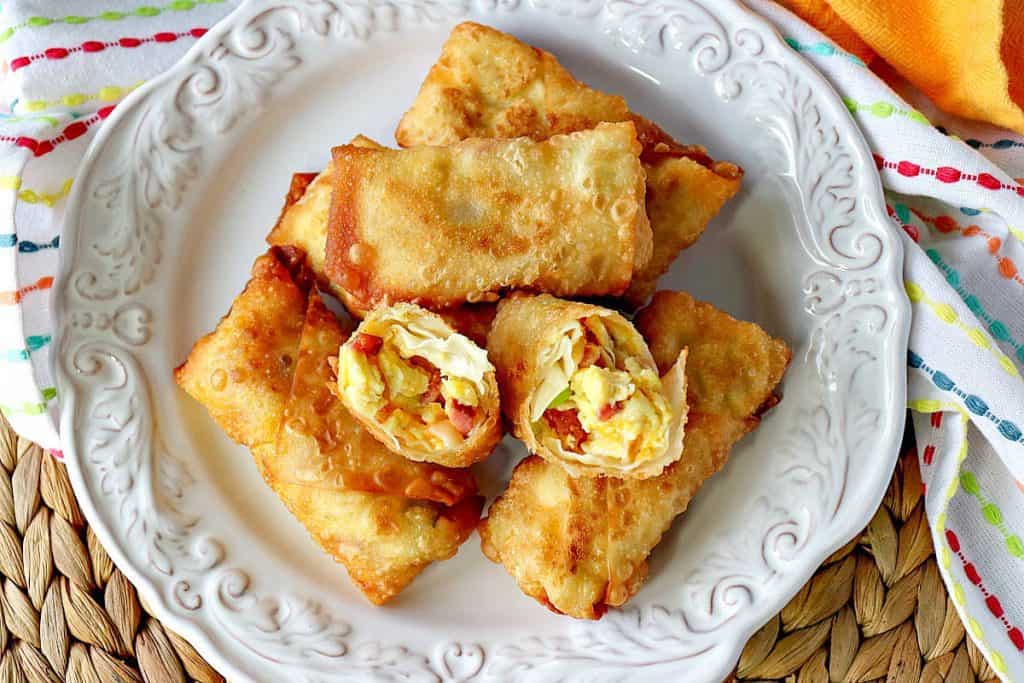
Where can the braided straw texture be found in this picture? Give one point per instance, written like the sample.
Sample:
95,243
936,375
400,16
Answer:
875,611
66,613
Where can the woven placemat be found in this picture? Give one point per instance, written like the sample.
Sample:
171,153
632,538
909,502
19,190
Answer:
875,610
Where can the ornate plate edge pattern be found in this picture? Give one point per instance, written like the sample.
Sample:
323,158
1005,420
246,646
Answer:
114,448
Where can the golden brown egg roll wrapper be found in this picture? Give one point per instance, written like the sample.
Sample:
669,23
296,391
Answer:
242,372
383,540
440,226
733,365
475,446
321,445
528,325
303,221
303,224
581,545
489,84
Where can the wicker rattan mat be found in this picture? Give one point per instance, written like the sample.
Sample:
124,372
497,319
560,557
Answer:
876,610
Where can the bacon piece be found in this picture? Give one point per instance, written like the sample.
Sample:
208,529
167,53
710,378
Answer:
566,423
461,416
367,343
433,392
608,411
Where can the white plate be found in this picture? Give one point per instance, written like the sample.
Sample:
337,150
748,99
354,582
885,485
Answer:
171,207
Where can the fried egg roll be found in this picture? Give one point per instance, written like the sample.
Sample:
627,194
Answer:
371,510
580,545
425,391
580,388
440,226
303,221
489,84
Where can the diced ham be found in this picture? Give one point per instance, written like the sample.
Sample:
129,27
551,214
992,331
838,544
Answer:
566,424
461,416
367,343
608,411
433,392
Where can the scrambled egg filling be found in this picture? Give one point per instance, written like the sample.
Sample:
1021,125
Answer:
598,401
421,383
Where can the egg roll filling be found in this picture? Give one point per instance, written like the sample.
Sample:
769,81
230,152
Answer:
418,380
600,401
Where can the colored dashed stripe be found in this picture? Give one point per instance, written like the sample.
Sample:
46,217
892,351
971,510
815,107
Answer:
959,596
997,328
13,182
945,174
144,12
73,130
53,121
9,239
108,93
49,393
94,46
992,514
13,297
901,219
946,225
823,49
946,314
884,110
998,144
993,603
974,403
32,344
967,211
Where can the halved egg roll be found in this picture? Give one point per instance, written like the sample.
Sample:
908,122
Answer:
580,545
440,226
425,391
489,84
580,387
321,445
261,363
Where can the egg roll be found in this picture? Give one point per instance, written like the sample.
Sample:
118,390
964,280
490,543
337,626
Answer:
580,545
303,221
246,373
321,445
423,390
580,388
303,224
383,539
489,84
242,372
440,226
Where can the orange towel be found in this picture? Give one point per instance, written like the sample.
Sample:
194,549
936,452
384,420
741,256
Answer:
966,55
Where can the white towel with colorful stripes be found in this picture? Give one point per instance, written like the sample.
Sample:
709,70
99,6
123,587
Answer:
950,187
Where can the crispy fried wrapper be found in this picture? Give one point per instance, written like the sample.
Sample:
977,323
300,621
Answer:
303,224
530,347
303,221
579,546
384,540
734,366
440,226
242,372
393,348
490,84
321,445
